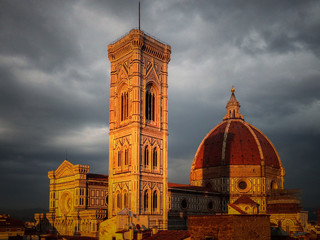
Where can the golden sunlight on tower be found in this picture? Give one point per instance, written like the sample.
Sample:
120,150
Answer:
139,126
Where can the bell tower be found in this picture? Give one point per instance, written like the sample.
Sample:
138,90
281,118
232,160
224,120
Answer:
138,137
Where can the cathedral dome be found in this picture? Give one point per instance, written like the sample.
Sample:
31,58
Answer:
235,142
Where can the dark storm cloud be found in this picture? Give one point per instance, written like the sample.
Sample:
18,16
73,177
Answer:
54,85
48,99
38,30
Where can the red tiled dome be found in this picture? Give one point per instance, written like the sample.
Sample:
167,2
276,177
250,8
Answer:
235,142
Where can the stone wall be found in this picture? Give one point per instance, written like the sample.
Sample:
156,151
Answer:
229,227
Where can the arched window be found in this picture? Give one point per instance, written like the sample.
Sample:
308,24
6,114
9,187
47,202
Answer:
126,157
125,199
124,106
146,156
145,200
119,200
208,185
106,200
119,158
184,204
155,158
150,105
155,201
274,185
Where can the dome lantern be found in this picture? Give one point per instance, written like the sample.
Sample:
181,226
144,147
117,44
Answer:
233,107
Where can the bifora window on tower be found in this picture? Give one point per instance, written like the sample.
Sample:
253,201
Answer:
119,158
155,201
150,104
145,200
150,158
155,160
146,156
125,200
126,157
124,106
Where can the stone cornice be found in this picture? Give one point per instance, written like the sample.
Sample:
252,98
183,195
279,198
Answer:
137,39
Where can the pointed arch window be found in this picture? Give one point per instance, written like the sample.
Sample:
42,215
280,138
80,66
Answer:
155,201
119,158
155,158
150,105
145,200
125,199
124,106
146,156
118,200
126,157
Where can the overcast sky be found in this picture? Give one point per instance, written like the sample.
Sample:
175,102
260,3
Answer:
54,83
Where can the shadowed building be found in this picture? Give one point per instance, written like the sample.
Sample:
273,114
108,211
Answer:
11,228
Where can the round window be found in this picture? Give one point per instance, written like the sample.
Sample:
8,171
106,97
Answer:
184,204
242,185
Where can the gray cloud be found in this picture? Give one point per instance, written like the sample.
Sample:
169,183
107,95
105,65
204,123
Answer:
54,86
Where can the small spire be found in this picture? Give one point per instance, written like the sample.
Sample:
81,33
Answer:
232,89
233,107
139,15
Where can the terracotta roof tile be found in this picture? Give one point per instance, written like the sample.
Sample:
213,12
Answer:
244,199
242,145
170,235
188,187
97,176
270,156
237,208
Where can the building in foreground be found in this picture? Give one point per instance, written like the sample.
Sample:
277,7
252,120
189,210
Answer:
236,169
11,228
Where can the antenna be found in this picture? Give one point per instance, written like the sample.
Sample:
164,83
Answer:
139,15
66,154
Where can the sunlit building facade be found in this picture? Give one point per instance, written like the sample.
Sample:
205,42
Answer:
78,201
236,169
237,160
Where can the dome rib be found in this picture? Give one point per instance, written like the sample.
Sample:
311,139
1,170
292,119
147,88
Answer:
257,141
271,158
225,136
241,146
198,164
